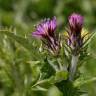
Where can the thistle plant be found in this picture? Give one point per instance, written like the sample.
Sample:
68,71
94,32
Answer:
66,47
57,64
75,41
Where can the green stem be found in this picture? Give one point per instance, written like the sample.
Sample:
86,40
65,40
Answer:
73,67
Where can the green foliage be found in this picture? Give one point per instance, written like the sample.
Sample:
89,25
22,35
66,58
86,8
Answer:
47,70
68,89
24,70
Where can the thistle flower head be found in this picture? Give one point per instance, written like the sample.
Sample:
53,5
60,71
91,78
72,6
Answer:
75,24
46,28
46,32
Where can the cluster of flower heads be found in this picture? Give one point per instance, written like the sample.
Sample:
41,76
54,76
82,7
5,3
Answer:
46,32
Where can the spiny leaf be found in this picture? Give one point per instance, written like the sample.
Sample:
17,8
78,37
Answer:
47,70
24,42
61,75
82,82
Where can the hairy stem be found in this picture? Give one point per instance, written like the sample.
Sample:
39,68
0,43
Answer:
73,67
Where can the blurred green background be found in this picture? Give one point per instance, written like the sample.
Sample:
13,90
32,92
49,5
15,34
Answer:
16,68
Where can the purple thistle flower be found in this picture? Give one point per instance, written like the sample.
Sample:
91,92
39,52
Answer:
76,22
74,31
45,28
46,32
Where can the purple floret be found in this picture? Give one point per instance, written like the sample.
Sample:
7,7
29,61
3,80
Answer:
76,22
46,32
45,28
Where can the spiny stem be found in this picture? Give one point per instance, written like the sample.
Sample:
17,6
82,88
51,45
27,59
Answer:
73,67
